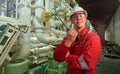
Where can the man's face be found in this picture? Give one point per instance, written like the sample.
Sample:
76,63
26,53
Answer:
78,19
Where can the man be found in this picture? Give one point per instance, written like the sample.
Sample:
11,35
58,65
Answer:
80,48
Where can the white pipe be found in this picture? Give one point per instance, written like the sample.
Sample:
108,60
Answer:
46,38
3,8
34,40
24,39
39,45
38,11
39,58
11,21
42,49
37,25
16,14
58,32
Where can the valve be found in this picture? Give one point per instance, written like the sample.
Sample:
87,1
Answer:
46,16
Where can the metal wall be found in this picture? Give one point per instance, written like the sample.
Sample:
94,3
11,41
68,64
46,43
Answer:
112,33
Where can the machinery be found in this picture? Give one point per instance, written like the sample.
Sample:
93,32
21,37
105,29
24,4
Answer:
8,35
26,40
30,30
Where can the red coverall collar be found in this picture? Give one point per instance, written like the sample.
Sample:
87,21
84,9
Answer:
84,31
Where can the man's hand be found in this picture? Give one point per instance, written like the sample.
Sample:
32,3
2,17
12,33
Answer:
71,36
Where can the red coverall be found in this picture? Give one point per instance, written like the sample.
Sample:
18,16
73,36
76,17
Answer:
84,53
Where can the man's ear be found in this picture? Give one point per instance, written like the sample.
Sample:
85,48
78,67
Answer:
85,19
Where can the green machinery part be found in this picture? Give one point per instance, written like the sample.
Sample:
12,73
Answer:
20,66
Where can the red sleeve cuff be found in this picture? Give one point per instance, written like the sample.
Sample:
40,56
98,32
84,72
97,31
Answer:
60,52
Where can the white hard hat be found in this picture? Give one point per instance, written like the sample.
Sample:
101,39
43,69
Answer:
76,8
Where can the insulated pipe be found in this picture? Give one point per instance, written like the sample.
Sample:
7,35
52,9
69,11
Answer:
42,49
39,45
16,14
12,21
45,38
24,38
3,8
58,32
38,11
41,31
53,24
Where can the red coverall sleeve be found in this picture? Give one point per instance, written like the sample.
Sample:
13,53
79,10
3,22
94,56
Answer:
89,57
60,51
